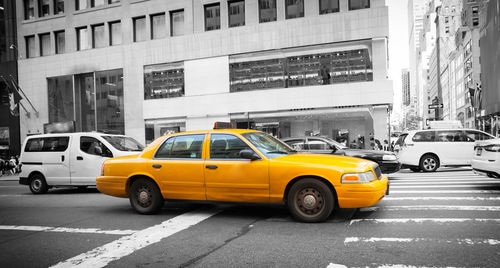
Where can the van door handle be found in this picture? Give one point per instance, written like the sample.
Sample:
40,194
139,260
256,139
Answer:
62,158
211,166
157,166
79,158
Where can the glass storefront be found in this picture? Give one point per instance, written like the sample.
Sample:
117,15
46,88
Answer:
157,128
164,80
109,101
302,70
60,96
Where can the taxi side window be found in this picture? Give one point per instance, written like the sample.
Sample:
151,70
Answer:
93,146
185,146
225,146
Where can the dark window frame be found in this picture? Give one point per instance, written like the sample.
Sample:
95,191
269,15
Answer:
229,13
367,5
26,41
275,18
40,43
205,8
93,28
152,30
134,28
300,14
323,11
110,30
171,18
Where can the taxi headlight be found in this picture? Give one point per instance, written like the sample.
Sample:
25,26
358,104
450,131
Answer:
389,157
364,177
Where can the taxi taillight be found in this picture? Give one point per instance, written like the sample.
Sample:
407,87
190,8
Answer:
102,169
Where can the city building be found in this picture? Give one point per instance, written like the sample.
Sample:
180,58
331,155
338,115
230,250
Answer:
149,67
405,84
9,109
489,118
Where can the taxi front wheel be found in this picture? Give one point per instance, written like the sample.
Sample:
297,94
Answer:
145,197
310,200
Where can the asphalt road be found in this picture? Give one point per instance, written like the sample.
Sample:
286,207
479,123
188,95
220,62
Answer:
449,218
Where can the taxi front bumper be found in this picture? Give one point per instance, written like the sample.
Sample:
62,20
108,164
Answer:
362,194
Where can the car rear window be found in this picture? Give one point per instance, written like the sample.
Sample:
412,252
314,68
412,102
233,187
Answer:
49,144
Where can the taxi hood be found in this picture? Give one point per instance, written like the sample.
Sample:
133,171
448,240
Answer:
337,162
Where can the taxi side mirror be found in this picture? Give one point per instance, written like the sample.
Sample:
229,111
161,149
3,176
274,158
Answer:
249,154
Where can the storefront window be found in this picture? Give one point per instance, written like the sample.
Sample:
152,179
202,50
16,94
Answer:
164,81
236,13
212,17
60,97
157,128
85,102
109,101
267,10
302,70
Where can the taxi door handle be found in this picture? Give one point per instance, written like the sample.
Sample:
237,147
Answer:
211,166
157,166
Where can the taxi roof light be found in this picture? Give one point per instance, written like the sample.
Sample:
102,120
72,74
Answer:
223,125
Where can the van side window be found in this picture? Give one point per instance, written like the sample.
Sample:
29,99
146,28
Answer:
51,144
424,136
476,135
450,136
185,146
93,146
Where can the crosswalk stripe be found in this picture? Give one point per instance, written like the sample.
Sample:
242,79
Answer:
336,265
422,220
437,186
434,207
444,182
455,198
65,230
102,256
462,241
444,192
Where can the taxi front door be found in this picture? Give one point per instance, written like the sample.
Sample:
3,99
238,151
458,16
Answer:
230,178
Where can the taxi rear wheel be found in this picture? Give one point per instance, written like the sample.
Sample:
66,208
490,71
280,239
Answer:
310,200
145,197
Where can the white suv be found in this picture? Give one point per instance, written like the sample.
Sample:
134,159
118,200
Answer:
427,150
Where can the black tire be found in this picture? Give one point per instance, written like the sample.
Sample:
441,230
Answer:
319,203
492,175
429,163
415,169
145,196
81,188
38,185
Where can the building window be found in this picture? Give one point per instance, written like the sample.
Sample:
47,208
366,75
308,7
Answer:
98,36
82,41
80,4
177,22
158,27
328,6
96,3
60,42
58,7
212,17
446,19
475,21
267,10
113,1
115,33
43,8
60,98
29,9
301,70
164,81
358,4
475,10
139,29
85,116
30,46
109,101
447,29
44,44
236,13
294,9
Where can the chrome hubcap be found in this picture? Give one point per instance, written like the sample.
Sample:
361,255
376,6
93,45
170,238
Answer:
144,196
309,201
37,184
429,164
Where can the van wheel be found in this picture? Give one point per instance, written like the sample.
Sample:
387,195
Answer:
429,163
145,197
38,185
310,200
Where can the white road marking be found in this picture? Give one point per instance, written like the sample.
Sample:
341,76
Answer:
441,179
434,207
445,192
422,220
437,186
101,256
65,230
444,183
456,198
336,265
464,241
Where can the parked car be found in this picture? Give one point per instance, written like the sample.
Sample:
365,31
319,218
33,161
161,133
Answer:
387,161
241,166
427,150
486,160
69,159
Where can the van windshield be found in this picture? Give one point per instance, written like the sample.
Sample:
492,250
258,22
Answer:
401,139
123,143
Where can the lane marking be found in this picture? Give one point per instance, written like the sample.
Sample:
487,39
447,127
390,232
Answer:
336,265
439,186
65,230
439,180
444,182
445,192
457,198
433,207
463,241
101,256
422,220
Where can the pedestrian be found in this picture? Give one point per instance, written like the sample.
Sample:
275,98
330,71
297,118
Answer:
392,146
12,165
386,145
324,73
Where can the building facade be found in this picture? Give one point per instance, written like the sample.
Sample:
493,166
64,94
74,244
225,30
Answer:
146,68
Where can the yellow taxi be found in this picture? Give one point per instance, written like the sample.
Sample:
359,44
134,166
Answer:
238,165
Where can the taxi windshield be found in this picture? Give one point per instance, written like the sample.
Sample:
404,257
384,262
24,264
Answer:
268,145
122,143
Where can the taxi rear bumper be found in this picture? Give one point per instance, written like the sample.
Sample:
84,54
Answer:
114,186
362,195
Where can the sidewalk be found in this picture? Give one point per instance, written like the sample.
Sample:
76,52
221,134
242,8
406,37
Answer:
8,177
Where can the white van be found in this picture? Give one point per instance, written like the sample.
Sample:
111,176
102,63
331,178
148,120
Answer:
69,159
427,150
